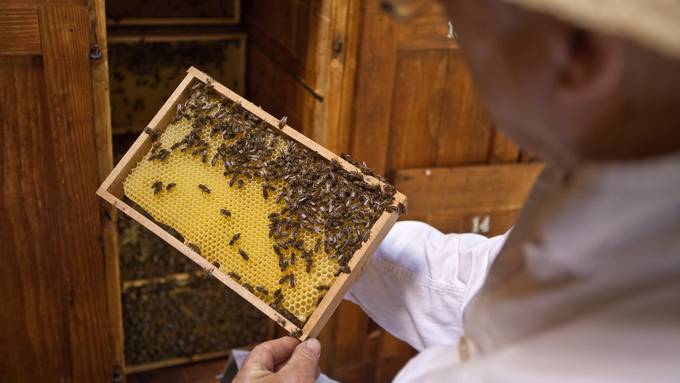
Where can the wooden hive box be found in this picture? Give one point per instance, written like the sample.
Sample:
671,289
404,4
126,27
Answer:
172,12
112,190
145,67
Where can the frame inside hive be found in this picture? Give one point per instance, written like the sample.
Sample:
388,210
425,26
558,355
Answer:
111,190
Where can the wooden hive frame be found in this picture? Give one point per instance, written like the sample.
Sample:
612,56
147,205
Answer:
111,190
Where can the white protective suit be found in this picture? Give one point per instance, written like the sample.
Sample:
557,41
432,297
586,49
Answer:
586,287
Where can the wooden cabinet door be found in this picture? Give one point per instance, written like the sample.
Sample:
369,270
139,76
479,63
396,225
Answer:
417,119
54,324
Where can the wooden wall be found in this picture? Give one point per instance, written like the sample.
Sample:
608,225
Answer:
54,322
406,105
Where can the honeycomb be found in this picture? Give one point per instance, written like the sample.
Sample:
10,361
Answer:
267,211
174,318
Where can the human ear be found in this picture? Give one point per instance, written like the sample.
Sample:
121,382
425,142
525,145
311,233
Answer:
592,65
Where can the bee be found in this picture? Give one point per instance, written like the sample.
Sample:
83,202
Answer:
155,146
231,182
243,254
170,186
278,297
249,287
323,287
295,334
292,280
277,250
285,278
204,156
283,265
401,208
240,183
317,245
225,212
234,239
163,154
153,133
204,188
157,187
265,193
282,122
262,289
194,247
308,265
342,269
216,264
234,275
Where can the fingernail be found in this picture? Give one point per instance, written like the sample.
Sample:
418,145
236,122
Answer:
313,345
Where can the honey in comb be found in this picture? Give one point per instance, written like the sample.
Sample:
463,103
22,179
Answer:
313,209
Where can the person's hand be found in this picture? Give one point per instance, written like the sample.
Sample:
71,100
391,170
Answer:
283,360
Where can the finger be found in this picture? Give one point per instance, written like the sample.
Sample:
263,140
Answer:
268,354
303,363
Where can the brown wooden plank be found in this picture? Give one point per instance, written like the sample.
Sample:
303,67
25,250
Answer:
503,150
102,128
466,127
271,87
19,31
428,31
177,361
375,77
39,3
393,355
33,292
481,221
467,188
290,33
68,89
419,99
192,373
336,81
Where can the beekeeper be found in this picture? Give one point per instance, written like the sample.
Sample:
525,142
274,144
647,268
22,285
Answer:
586,286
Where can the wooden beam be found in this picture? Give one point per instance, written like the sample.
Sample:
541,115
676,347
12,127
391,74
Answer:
64,36
467,188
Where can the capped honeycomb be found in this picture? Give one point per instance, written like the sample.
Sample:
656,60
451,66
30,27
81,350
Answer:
272,214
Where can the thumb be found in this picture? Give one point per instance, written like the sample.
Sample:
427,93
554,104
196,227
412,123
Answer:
303,363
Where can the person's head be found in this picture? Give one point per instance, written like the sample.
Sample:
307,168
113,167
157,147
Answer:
565,93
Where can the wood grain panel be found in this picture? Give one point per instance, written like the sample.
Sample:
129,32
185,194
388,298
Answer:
451,198
502,149
68,92
466,132
19,31
290,32
417,106
427,31
277,92
492,187
103,136
394,354
376,68
31,319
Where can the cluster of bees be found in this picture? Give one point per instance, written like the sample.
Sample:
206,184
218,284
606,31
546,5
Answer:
316,197
179,318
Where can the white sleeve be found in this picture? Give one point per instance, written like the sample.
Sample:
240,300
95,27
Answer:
419,281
